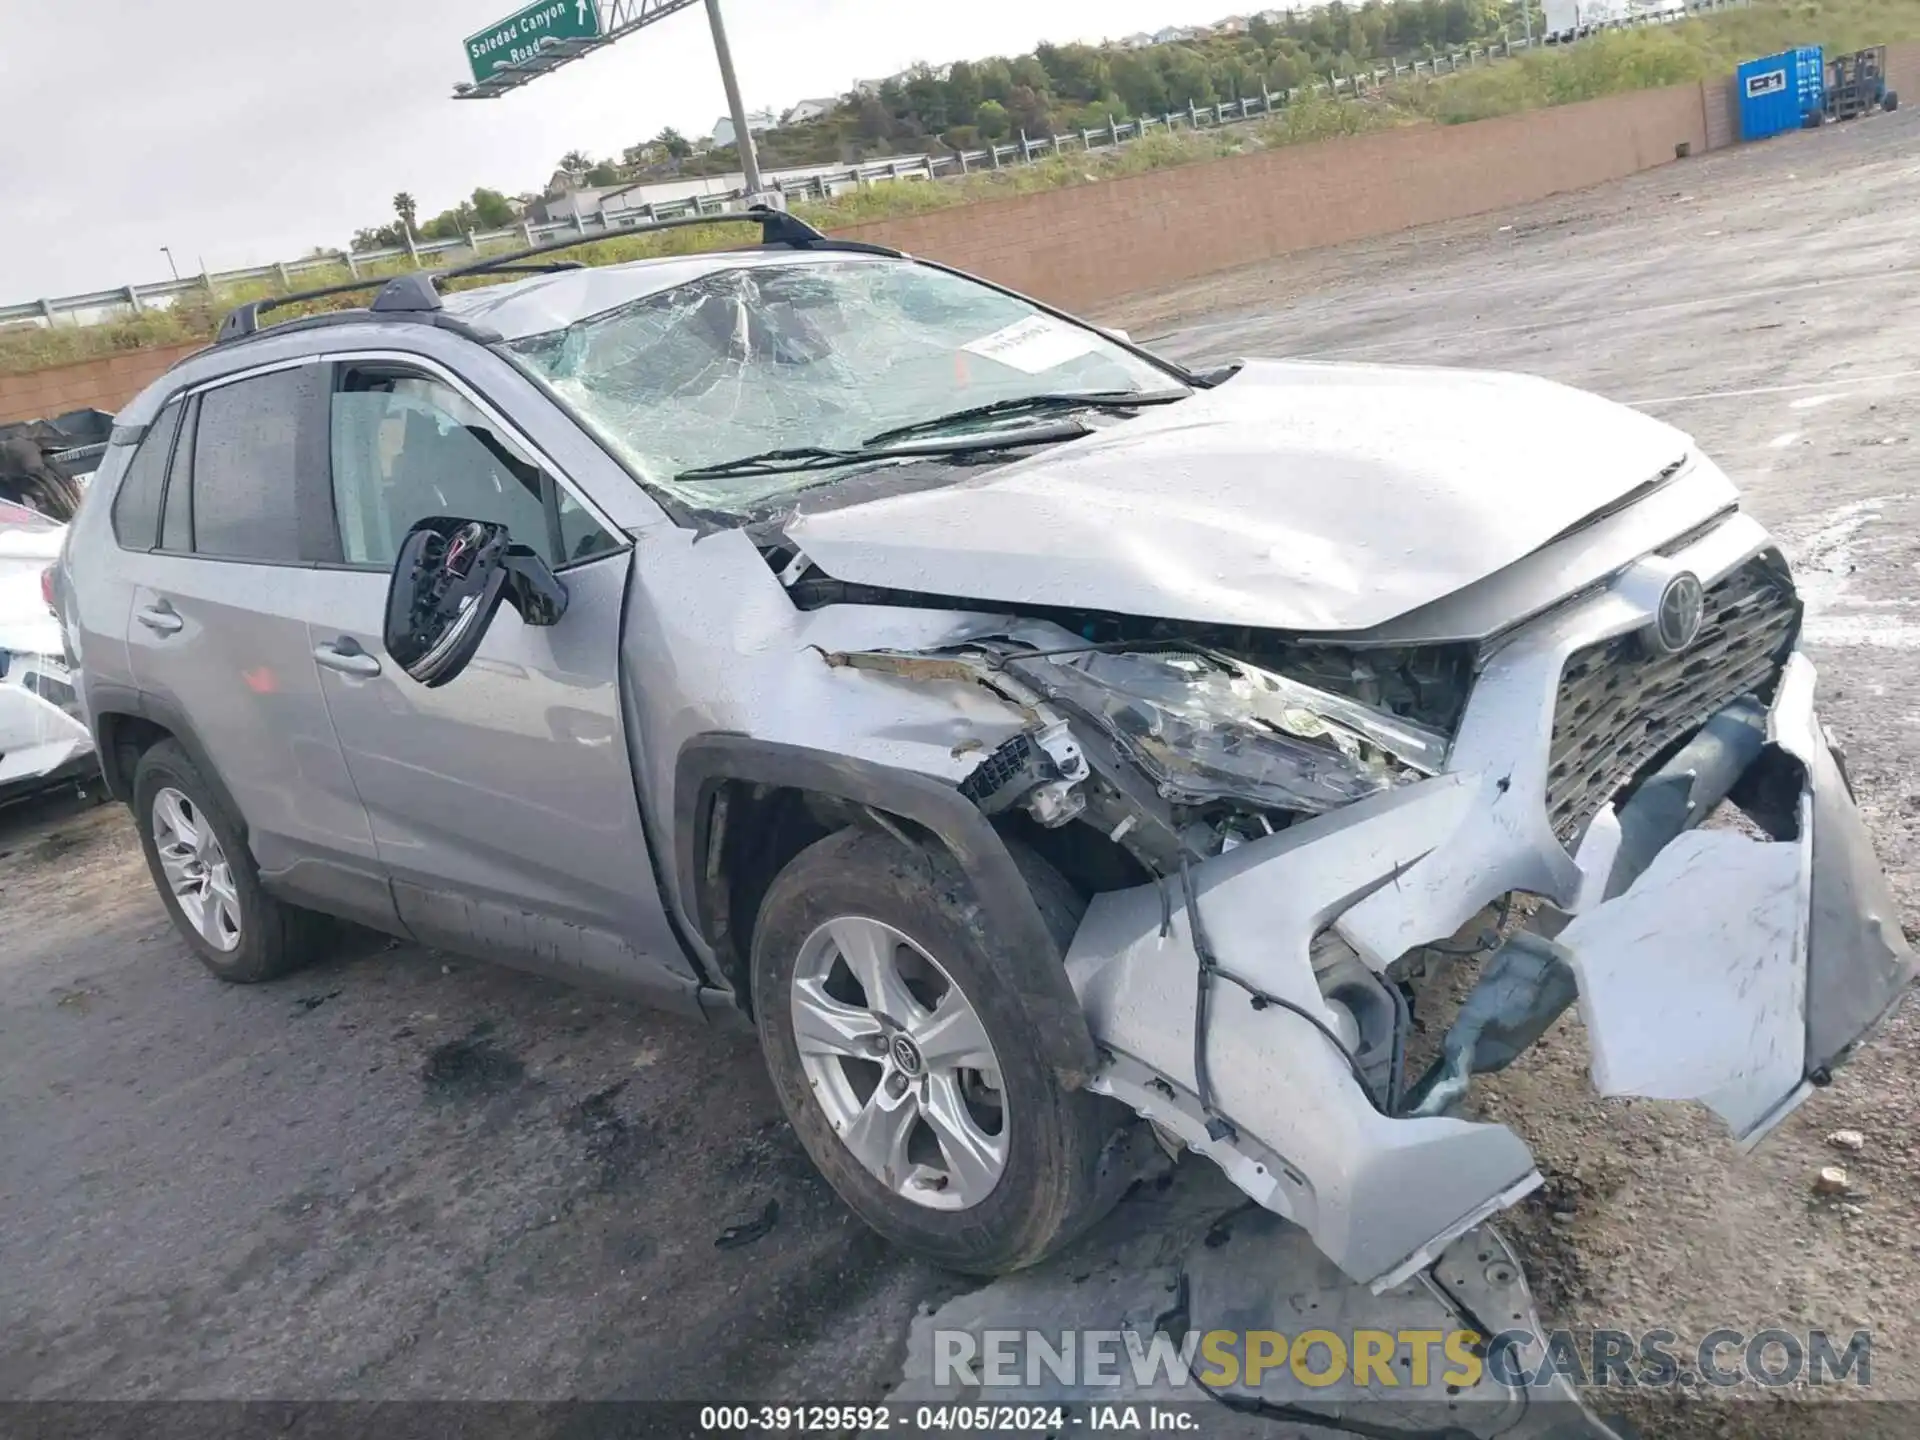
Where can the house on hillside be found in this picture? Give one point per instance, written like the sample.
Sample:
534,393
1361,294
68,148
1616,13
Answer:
1175,34
1232,25
758,122
867,89
1139,40
810,110
573,207
565,182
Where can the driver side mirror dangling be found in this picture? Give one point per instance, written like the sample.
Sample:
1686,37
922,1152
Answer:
448,582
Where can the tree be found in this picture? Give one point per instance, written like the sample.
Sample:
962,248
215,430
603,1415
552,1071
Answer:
874,121
963,92
576,162
1029,111
1075,72
674,143
1139,84
992,120
1189,81
603,175
926,99
1262,31
492,210
996,79
407,208
452,224
1238,79
1028,71
379,237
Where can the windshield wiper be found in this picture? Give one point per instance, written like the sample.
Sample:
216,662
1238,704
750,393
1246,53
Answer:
817,457
1033,405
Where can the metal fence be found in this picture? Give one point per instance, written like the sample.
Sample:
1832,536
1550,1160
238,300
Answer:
123,300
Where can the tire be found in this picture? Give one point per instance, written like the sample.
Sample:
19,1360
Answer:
1890,101
271,938
1066,1156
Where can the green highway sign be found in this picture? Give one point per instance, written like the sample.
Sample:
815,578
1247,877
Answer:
521,36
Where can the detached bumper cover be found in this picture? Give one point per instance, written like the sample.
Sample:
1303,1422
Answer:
1733,971
1767,963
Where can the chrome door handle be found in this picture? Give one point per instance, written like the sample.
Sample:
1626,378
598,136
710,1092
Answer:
347,658
160,619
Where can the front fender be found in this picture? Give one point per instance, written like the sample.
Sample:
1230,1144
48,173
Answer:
1022,948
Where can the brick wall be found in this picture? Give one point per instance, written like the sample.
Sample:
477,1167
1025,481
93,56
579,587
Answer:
1095,243
104,384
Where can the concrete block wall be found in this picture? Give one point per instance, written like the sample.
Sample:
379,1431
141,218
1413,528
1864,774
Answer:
1095,243
103,384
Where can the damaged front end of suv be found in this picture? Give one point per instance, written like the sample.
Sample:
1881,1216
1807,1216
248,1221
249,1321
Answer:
1294,673
1312,823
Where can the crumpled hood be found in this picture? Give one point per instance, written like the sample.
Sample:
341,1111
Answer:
1296,496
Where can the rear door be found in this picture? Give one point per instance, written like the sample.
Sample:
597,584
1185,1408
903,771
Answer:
218,641
503,804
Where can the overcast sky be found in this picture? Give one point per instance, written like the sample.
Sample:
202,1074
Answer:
244,132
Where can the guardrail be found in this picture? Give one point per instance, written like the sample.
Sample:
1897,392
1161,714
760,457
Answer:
99,305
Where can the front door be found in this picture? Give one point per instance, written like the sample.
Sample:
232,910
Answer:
502,804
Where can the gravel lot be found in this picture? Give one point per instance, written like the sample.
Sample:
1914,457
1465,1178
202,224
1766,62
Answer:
404,1175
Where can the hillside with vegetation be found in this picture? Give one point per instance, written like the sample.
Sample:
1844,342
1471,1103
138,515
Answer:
1059,79
1063,89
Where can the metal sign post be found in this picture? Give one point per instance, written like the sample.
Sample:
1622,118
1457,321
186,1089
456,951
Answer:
742,132
547,34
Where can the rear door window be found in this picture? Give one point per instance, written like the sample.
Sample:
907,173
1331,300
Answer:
259,466
136,508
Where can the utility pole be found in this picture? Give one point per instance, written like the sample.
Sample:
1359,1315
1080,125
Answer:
1526,21
167,250
742,134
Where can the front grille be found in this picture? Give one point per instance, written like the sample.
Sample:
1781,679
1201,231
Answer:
1621,706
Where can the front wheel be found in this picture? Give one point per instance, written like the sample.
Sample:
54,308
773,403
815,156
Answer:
910,1070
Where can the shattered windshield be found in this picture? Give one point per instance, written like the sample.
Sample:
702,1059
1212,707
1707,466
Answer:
811,354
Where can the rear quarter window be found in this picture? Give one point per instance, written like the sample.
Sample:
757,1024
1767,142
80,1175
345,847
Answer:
136,505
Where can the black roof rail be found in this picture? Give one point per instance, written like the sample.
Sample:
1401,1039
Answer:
417,292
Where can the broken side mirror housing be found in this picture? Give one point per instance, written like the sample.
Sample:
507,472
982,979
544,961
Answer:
448,582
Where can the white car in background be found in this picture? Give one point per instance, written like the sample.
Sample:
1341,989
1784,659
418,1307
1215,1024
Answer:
43,740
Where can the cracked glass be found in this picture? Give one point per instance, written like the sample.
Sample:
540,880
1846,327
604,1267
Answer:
828,354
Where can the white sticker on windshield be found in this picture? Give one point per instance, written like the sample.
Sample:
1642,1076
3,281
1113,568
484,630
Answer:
1034,344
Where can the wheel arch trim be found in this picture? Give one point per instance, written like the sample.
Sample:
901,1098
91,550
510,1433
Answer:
1021,948
109,704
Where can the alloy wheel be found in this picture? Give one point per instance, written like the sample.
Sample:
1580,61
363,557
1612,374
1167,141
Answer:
196,869
899,1061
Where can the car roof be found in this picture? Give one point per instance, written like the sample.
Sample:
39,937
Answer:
552,302
512,311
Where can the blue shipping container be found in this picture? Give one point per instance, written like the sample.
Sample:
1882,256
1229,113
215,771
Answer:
1778,93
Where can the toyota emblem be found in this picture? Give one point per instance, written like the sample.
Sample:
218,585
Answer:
1683,603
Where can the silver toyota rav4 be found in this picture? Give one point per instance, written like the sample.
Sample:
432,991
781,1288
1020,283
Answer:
1032,737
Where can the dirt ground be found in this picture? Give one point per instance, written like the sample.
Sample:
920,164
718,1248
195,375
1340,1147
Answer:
401,1175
